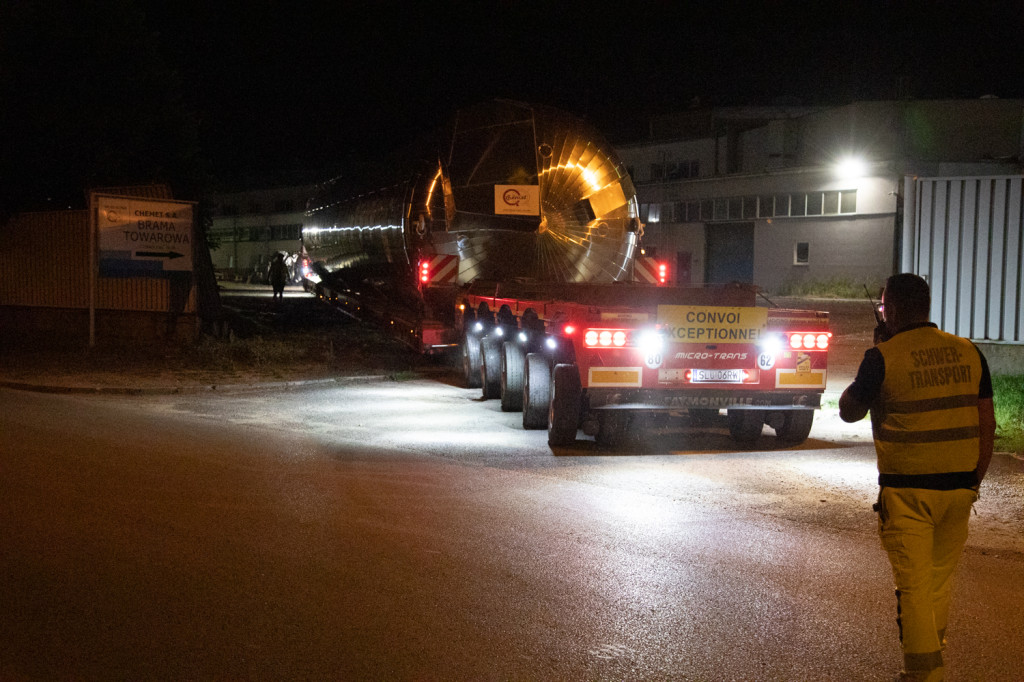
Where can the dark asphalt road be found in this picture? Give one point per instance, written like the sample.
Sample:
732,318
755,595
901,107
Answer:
368,532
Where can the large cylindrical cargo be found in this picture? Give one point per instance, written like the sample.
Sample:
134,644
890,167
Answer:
514,191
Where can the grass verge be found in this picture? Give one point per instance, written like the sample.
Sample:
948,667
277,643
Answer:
1009,408
1009,402
827,288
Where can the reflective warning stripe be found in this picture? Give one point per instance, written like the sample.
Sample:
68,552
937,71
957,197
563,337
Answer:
444,269
646,270
616,377
789,378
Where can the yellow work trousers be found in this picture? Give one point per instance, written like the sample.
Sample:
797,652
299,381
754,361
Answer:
923,531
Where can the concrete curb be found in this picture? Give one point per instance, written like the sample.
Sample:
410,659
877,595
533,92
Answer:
183,390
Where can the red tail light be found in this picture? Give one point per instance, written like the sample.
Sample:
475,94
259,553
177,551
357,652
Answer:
662,273
809,340
606,338
424,271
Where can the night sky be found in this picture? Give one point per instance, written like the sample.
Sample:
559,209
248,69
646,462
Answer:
281,92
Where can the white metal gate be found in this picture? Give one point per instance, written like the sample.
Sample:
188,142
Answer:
964,235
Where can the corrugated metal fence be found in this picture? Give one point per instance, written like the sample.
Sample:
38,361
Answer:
964,235
44,262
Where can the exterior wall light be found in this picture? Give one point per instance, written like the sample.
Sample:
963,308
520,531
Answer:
851,168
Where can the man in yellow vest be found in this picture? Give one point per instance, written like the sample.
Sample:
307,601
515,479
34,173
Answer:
930,398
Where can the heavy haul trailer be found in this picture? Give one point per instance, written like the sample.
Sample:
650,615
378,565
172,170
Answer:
592,357
515,237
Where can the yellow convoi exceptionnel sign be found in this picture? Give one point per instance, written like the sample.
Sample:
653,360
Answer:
712,324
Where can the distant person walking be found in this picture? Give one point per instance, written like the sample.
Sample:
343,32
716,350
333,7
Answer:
930,398
278,275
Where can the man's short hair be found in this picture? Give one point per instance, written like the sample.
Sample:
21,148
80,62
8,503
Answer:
911,292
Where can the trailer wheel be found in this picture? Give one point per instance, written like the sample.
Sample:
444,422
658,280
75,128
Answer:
794,426
512,361
745,425
564,415
490,367
471,360
536,391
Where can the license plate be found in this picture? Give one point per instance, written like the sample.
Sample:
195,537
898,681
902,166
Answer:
717,376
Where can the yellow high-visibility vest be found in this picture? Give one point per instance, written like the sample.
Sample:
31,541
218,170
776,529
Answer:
925,420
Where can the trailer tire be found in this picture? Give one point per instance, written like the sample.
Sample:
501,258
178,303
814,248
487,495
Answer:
490,367
471,360
745,425
536,391
795,426
512,360
564,415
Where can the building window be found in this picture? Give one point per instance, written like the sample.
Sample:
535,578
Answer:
657,171
765,206
683,169
782,204
721,210
801,253
256,233
654,213
223,233
284,206
814,203
735,208
285,232
798,204
749,208
688,211
831,203
706,212
848,202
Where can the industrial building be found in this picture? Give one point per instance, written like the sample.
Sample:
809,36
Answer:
797,198
248,228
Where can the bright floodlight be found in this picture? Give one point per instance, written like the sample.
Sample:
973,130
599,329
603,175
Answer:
771,344
850,168
650,341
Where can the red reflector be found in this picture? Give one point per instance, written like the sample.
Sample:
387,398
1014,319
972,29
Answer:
569,330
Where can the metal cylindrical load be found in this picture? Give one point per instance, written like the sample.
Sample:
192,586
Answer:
516,191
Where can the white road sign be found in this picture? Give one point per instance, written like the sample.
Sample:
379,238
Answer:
143,237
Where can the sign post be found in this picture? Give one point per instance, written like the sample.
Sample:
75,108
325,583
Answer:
92,271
